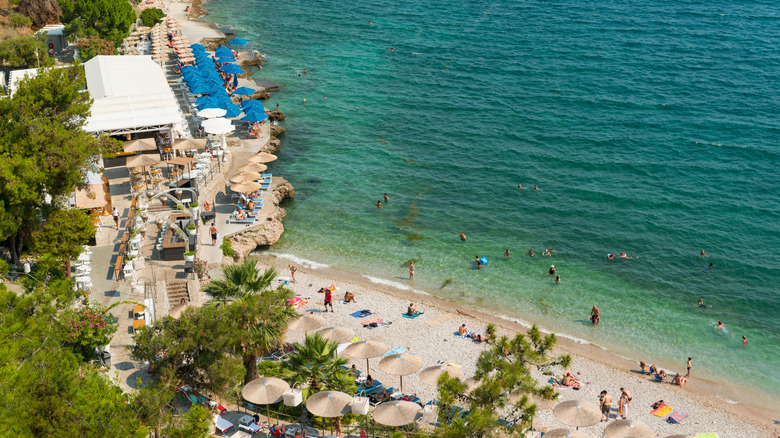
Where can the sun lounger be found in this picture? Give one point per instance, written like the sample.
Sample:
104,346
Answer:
406,315
249,220
223,425
250,428
396,350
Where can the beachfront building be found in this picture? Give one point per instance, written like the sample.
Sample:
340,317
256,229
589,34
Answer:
131,96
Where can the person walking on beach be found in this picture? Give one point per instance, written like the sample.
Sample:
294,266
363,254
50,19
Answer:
605,400
623,402
214,234
411,270
328,300
595,316
689,368
293,268
462,237
507,254
115,214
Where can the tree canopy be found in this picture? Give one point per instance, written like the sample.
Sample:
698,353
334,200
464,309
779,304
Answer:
499,405
28,52
46,152
108,19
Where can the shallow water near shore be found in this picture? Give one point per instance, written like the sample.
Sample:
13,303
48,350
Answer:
650,129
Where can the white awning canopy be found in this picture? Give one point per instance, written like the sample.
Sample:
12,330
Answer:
131,94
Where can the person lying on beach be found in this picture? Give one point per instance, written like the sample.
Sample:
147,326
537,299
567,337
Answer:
412,310
653,369
240,215
370,382
462,330
349,297
478,338
661,376
354,370
250,205
382,396
679,380
569,379
643,366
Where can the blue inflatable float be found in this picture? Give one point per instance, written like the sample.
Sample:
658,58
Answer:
483,261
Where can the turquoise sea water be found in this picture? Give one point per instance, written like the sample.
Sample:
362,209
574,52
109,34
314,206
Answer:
650,128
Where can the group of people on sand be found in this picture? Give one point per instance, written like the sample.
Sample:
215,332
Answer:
661,375
605,404
474,336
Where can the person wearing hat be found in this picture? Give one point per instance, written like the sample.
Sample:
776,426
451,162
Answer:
552,270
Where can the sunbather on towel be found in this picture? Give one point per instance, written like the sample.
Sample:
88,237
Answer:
477,338
569,379
462,330
382,396
412,310
240,215
679,380
370,382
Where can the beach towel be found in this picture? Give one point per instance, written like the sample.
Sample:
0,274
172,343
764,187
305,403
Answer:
297,302
377,325
662,410
451,364
396,350
367,322
677,416
467,335
707,435
406,315
361,313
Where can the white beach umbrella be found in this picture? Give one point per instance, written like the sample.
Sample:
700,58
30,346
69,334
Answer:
219,126
264,391
211,113
253,167
329,404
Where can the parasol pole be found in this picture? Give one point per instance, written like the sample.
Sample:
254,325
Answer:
368,371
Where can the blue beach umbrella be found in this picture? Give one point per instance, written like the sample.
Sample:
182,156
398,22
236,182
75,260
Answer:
254,116
198,47
232,69
199,89
225,59
253,105
238,42
204,99
222,50
244,91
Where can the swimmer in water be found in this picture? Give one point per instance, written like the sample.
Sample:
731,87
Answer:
520,186
548,252
611,256
701,304
479,263
708,268
551,271
625,256
507,254
462,237
369,22
720,326
530,252
387,198
378,204
536,188
557,279
703,254
392,49
744,340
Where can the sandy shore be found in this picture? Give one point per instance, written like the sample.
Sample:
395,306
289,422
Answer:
430,337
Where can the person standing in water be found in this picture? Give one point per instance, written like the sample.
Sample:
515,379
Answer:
557,279
387,198
462,237
744,340
530,252
708,268
411,270
689,368
507,254
551,271
595,315
701,304
378,204
703,254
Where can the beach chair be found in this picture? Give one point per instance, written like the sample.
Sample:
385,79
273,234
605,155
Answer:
248,221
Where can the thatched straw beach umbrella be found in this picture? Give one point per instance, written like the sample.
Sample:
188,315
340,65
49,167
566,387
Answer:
337,334
262,157
578,414
366,350
565,433
396,413
401,365
184,144
431,375
253,167
628,429
245,177
307,323
265,391
244,187
143,144
329,404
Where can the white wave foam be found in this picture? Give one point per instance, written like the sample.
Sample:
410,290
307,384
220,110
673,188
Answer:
527,324
387,282
297,260
727,400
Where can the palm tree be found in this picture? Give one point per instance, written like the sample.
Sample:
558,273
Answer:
316,363
258,314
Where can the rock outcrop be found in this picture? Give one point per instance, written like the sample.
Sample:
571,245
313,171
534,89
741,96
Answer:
271,229
260,94
276,115
277,130
272,146
42,12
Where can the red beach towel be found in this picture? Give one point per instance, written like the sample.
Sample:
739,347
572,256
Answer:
662,410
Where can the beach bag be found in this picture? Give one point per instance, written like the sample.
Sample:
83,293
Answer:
671,420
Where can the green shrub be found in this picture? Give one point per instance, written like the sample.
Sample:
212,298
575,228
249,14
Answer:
152,16
19,20
227,248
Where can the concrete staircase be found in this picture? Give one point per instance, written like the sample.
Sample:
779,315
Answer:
176,291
